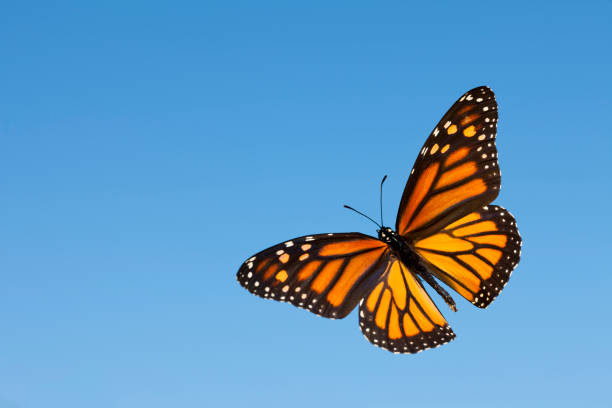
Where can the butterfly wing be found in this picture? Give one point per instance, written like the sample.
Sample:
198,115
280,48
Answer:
398,314
327,274
456,171
476,254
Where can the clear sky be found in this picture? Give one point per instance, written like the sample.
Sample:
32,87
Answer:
148,148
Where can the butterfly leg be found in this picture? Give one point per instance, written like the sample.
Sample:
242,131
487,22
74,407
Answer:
428,277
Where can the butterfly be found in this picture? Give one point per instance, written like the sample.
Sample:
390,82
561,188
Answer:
445,230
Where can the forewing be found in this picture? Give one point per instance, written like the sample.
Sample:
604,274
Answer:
476,254
326,274
398,314
456,171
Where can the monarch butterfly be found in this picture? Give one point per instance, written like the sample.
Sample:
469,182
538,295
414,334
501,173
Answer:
445,228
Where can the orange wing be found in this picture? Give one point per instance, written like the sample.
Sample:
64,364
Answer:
399,316
326,274
476,254
456,171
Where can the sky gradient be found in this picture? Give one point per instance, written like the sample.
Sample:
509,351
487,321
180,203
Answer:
149,148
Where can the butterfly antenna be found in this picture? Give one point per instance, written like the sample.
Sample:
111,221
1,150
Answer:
381,207
360,213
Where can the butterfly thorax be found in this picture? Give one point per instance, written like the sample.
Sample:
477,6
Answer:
400,246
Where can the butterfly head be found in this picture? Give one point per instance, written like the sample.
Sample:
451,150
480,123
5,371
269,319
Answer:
386,234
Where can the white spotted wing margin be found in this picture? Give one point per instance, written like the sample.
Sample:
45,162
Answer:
326,274
399,316
486,247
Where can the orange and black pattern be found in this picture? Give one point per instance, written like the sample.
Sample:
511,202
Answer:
476,254
456,171
445,228
327,274
399,316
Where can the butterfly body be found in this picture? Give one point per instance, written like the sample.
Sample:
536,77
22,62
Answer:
402,249
406,252
445,230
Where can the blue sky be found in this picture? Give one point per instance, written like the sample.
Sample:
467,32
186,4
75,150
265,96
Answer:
148,148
